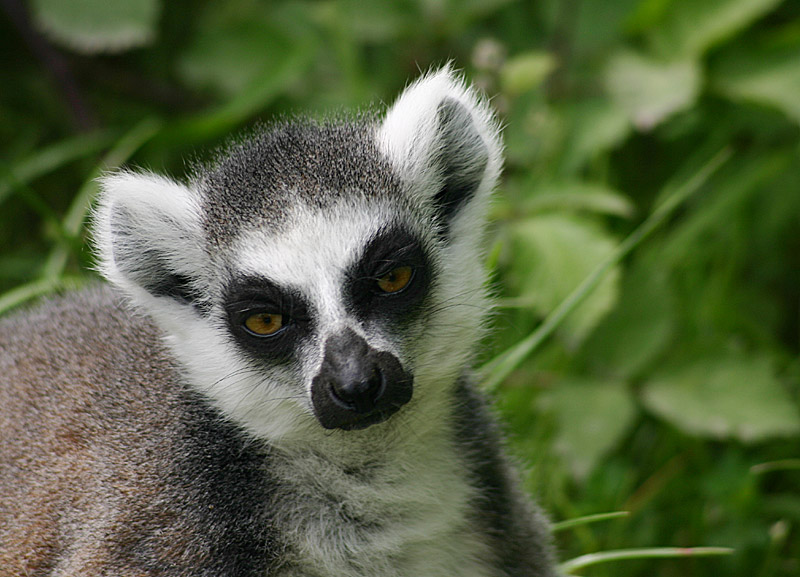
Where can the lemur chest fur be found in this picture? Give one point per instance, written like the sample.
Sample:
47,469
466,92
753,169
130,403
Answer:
398,514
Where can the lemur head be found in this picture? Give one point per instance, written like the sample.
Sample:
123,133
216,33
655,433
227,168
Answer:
318,276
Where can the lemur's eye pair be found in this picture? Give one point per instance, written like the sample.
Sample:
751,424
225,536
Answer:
395,280
264,324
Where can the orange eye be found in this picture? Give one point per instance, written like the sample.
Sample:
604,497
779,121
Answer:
395,280
264,324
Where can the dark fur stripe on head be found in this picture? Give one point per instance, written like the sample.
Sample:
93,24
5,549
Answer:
257,182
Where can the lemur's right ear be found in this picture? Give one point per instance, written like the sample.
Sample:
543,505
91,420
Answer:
148,237
443,139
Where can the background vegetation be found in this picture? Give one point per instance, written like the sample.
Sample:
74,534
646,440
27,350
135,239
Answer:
656,139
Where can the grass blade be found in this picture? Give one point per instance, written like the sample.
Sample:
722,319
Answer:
49,159
568,567
586,520
501,366
72,222
770,466
220,121
29,291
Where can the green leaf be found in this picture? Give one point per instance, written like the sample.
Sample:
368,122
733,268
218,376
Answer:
29,291
596,126
690,27
678,192
79,209
258,95
576,195
591,418
526,71
552,254
595,25
770,77
650,91
724,395
233,48
92,26
639,328
772,466
374,21
463,12
534,133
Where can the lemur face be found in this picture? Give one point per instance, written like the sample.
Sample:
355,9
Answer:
337,298
318,275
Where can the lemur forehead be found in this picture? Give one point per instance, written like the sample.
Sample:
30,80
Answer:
260,181
315,243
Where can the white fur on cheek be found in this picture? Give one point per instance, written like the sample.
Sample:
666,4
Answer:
263,402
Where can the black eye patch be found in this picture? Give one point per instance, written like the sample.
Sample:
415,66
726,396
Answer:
394,250
258,296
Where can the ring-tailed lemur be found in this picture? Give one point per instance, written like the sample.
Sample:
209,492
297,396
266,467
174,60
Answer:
290,394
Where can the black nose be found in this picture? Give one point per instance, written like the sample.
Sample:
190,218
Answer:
358,386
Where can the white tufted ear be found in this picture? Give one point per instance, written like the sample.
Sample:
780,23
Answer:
442,137
148,237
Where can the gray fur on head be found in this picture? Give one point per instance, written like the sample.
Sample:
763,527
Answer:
259,181
437,146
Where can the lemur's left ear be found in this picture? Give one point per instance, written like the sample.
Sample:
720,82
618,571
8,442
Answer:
444,140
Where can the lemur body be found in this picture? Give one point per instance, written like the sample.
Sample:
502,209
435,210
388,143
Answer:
290,394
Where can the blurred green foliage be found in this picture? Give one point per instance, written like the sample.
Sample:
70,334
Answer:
671,391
